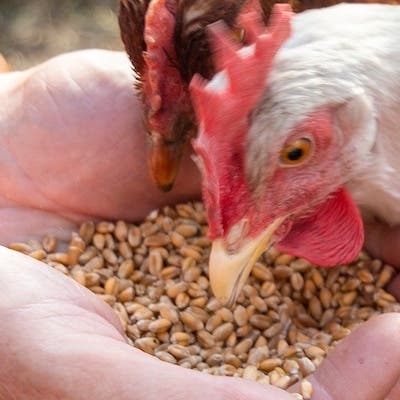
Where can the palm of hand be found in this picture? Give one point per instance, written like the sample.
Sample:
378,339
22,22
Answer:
72,152
67,344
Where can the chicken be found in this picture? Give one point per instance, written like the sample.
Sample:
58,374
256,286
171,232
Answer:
167,43
299,138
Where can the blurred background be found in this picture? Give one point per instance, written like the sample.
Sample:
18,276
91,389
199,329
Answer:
31,31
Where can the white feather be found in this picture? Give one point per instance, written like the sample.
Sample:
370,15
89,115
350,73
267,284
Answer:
219,83
333,54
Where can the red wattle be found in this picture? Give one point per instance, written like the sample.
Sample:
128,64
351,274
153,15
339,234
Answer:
333,235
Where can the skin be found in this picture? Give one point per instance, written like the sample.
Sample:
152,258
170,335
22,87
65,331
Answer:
73,147
57,340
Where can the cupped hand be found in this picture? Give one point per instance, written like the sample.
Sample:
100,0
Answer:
59,341
73,148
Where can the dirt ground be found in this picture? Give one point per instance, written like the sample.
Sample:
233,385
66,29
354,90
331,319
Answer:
33,30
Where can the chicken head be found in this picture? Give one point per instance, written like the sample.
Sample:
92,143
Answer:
293,195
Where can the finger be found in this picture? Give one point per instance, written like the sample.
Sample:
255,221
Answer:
394,393
21,224
364,366
394,287
383,242
72,103
177,383
99,369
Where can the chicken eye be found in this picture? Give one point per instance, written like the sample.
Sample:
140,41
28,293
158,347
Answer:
238,34
296,152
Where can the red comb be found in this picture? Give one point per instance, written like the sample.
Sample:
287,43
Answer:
223,105
162,82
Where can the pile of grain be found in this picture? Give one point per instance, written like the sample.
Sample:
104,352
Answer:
154,275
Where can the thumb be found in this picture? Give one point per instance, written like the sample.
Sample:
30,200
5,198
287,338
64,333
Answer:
123,372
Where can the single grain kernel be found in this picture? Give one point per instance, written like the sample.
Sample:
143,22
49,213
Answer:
250,372
49,243
121,231
260,321
157,240
306,389
181,338
169,312
160,325
191,322
38,254
258,354
261,272
186,230
297,281
126,269
134,236
182,300
86,231
61,258
178,351
240,315
317,278
314,352
223,331
111,286
205,339
147,344
270,364
126,295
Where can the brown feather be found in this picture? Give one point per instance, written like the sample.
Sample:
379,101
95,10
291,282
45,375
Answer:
131,18
303,5
191,39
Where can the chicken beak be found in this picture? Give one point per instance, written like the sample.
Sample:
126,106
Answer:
229,272
4,67
164,160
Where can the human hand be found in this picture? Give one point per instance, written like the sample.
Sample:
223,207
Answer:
72,147
59,341
383,242
70,151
